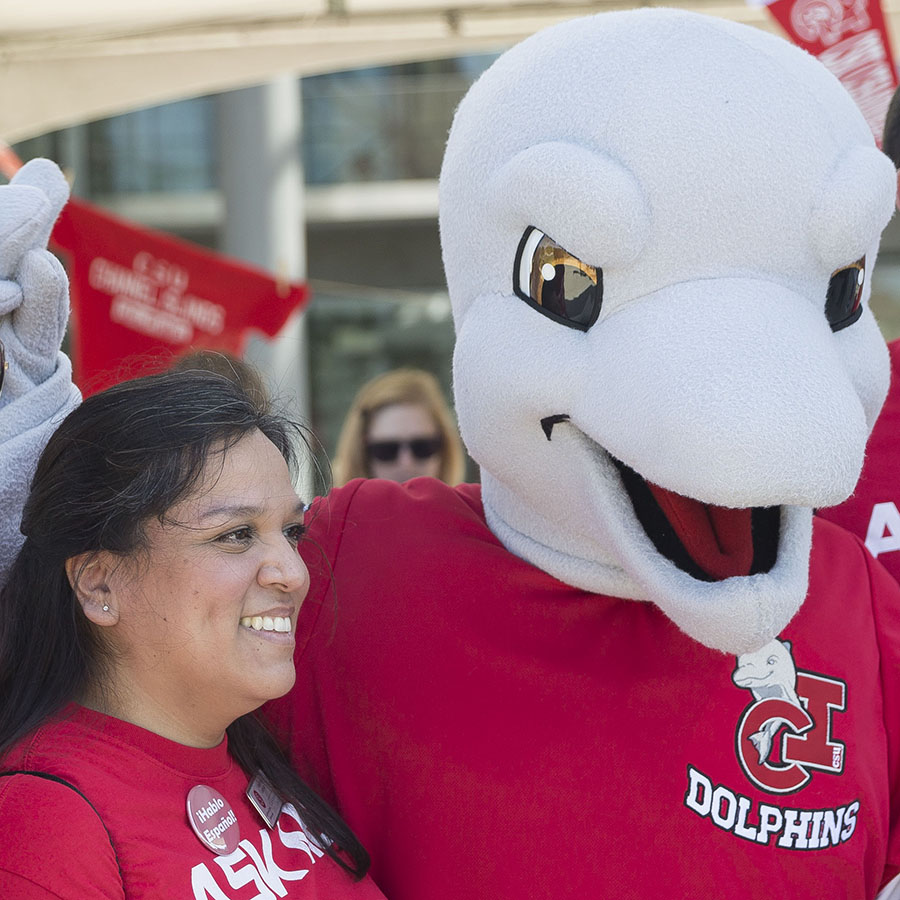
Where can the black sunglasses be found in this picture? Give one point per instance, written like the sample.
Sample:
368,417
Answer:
387,451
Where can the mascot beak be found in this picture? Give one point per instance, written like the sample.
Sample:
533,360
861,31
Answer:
706,370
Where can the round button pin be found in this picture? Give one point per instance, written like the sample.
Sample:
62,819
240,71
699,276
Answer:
213,820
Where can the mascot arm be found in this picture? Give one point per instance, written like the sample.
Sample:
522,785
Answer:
890,891
297,718
34,308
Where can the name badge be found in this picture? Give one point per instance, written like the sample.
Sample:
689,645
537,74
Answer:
265,799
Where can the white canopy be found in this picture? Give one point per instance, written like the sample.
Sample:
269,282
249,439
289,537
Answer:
68,61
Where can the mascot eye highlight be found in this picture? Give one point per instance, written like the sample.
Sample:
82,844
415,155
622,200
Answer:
843,303
556,283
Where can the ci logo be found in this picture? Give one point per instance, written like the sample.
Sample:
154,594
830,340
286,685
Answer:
786,730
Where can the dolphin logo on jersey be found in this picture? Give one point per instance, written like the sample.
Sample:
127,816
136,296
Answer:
768,672
786,729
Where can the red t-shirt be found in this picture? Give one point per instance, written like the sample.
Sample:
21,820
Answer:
491,732
52,844
873,512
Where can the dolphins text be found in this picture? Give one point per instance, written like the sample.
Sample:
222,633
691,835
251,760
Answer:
764,823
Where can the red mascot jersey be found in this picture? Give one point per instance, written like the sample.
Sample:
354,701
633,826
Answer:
873,512
490,732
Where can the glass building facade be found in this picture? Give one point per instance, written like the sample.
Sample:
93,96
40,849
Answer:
379,299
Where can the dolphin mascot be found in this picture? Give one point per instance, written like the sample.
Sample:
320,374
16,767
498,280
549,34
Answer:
657,231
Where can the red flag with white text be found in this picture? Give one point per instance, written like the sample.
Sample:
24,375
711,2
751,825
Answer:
140,297
850,37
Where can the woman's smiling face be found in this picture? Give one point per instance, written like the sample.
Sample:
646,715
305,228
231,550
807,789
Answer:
206,613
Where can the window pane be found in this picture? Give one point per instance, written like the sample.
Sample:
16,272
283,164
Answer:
164,148
383,124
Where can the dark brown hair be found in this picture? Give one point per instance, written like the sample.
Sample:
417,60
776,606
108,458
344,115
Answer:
121,459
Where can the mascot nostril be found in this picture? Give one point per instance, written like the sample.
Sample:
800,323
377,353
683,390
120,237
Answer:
548,423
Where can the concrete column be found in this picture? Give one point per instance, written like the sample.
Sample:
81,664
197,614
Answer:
261,174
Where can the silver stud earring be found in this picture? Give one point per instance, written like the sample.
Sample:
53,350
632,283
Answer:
105,607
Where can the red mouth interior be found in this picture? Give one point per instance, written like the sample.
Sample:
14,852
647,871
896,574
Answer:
718,539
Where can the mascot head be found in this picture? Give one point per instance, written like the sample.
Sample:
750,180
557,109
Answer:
657,231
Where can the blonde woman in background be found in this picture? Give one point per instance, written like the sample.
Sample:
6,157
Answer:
399,427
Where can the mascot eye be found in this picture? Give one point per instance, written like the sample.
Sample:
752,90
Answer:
843,303
556,283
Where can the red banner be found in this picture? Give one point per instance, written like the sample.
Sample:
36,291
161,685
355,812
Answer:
851,39
140,297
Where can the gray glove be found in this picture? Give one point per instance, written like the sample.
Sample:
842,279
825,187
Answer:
34,290
34,308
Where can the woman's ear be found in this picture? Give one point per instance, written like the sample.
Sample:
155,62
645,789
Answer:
89,576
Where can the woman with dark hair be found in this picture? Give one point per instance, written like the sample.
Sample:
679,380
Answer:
149,612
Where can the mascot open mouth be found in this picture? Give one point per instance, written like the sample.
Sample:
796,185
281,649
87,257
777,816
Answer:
707,542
